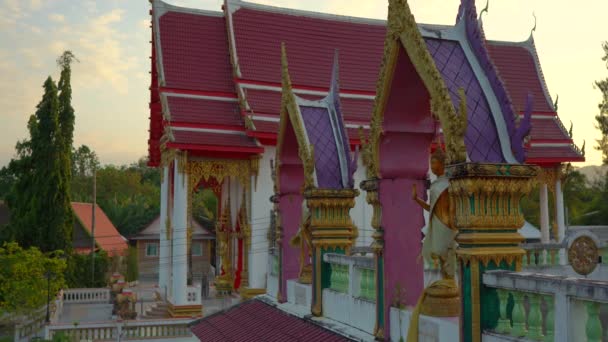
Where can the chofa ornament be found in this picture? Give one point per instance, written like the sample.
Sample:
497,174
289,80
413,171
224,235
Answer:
583,255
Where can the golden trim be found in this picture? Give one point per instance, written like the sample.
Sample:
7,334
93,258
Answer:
289,112
185,311
484,255
317,305
475,302
403,31
248,292
490,238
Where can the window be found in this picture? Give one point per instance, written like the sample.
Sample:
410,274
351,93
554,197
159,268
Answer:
197,249
151,249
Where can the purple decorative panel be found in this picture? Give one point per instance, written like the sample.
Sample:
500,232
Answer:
482,142
320,135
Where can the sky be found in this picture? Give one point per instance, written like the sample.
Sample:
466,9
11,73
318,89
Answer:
111,40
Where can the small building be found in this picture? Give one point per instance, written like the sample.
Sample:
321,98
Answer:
107,236
202,249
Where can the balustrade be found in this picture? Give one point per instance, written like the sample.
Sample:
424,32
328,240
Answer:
128,330
538,255
351,296
274,270
528,303
95,295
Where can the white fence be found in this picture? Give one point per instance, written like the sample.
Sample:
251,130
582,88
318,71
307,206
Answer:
126,330
32,325
89,296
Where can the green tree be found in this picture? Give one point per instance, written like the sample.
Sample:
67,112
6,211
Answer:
23,281
79,274
34,200
84,164
39,199
129,201
63,144
602,117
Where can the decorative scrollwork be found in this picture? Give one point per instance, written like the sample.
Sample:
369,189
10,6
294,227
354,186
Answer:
583,255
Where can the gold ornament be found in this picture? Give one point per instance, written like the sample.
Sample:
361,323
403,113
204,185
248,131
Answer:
583,255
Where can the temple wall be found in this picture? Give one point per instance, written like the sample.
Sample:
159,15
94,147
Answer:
429,328
260,220
362,212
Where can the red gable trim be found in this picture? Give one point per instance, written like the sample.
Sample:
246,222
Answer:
551,141
554,160
207,126
197,92
302,87
194,147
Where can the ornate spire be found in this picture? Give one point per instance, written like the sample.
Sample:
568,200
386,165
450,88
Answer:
523,131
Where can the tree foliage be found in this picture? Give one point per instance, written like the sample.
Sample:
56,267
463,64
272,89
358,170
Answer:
40,173
79,272
23,278
602,117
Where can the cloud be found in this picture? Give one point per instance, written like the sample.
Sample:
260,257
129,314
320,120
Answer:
101,49
57,18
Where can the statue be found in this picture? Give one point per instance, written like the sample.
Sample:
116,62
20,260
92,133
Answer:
439,244
441,298
303,240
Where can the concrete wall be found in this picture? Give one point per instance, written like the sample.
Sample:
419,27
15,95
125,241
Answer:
344,308
429,328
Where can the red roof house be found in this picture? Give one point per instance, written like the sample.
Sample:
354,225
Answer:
106,235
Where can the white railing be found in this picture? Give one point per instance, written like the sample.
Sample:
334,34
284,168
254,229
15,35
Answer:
542,255
126,330
193,295
558,308
351,298
96,295
32,324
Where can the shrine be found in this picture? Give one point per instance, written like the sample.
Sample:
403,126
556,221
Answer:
320,136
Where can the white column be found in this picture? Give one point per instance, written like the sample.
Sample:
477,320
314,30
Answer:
561,222
260,221
180,259
544,214
164,274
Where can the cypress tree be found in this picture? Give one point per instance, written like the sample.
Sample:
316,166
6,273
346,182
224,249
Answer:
34,196
39,200
64,145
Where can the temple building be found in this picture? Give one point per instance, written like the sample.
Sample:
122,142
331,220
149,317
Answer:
312,129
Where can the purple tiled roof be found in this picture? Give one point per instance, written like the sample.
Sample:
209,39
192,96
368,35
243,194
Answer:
254,321
481,138
320,135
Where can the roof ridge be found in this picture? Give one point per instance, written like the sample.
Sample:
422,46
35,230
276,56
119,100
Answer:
166,7
305,13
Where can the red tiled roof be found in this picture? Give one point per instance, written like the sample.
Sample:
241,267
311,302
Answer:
547,129
517,69
310,43
205,139
256,321
195,53
269,102
210,112
549,154
106,235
